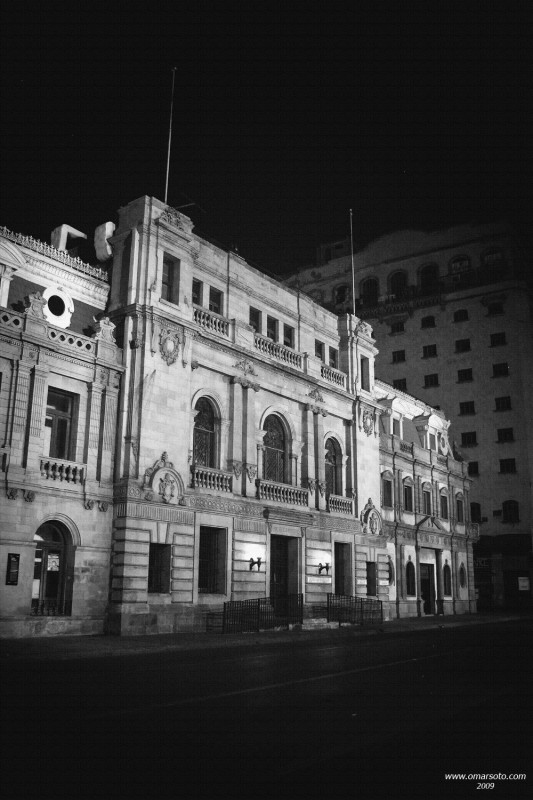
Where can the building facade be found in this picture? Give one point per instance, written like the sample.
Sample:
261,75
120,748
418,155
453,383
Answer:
451,313
181,430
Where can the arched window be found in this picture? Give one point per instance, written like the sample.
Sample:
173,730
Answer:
460,508
333,468
462,576
510,511
341,294
398,284
410,581
429,278
275,457
369,291
53,570
447,579
204,445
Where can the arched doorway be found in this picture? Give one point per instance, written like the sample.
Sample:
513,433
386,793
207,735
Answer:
53,571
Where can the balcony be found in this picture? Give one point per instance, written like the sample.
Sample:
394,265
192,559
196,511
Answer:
281,493
210,321
213,479
277,351
56,469
333,376
340,505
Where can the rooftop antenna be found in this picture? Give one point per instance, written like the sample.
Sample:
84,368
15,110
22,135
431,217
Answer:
170,131
353,269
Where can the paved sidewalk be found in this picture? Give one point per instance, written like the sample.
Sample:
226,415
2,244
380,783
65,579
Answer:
76,647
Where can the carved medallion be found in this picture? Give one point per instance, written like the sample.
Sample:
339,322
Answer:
368,421
169,345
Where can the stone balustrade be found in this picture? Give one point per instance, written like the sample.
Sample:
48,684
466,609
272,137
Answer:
12,320
210,321
213,479
339,505
57,469
277,351
68,339
333,376
281,493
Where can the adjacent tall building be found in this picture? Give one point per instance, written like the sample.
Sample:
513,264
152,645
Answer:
180,430
451,314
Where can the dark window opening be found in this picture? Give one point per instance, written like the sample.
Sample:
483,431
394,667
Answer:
510,511
460,510
397,327
461,315
400,384
333,358
212,561
272,329
444,506
505,435
159,568
255,319
288,336
333,468
170,284
469,439
407,497
507,465
473,467
426,496
427,322
398,356
431,380
387,492
204,440
371,579
275,467
410,582
215,301
464,375
500,370
370,292
475,512
365,374
197,288
462,345
498,339
429,351
503,403
447,579
319,350
59,428
468,408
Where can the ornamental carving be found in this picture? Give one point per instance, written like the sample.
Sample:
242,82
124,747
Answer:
29,496
89,505
162,483
104,330
311,482
315,394
368,421
237,469
167,487
36,304
12,493
169,345
246,366
251,471
371,519
322,488
103,505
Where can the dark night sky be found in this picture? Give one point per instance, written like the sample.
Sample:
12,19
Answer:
286,115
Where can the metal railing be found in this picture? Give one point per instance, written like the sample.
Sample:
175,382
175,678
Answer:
281,493
208,478
47,608
355,610
262,613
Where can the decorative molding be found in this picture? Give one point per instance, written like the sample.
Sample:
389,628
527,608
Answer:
12,493
251,471
225,506
36,305
103,505
311,482
89,504
315,395
368,421
322,488
237,468
371,519
104,330
246,366
29,496
169,344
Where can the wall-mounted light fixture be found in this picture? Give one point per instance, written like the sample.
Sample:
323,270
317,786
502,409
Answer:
254,563
323,566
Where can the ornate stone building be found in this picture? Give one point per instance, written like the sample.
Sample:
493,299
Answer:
252,444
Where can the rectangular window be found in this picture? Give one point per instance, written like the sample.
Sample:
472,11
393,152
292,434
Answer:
319,349
431,380
427,322
498,339
444,506
473,468
197,291
398,356
426,496
408,497
429,351
272,329
365,374
159,568
288,336
397,327
387,493
503,403
58,425
468,408
505,435
507,465
371,578
215,300
333,358
396,427
432,442
464,375
500,370
400,384
469,439
462,345
170,285
212,561
461,315
494,309
460,511
255,319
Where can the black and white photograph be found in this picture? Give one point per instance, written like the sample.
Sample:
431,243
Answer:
266,400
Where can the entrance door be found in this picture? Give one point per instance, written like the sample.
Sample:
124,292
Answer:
279,566
343,583
52,572
427,587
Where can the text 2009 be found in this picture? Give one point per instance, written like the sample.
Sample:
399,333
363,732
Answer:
485,786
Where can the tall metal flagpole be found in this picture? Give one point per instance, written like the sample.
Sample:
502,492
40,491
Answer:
170,131
353,270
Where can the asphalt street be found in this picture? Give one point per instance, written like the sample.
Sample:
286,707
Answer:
328,715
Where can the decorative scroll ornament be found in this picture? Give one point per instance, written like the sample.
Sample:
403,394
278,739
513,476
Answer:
315,394
371,519
29,496
311,484
89,505
251,471
169,345
322,488
246,366
368,421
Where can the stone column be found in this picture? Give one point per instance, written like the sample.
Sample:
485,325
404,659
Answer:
6,276
20,413
108,439
37,413
320,459
236,443
418,582
249,450
440,584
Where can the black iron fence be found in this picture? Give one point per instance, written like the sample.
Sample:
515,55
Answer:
262,613
355,610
